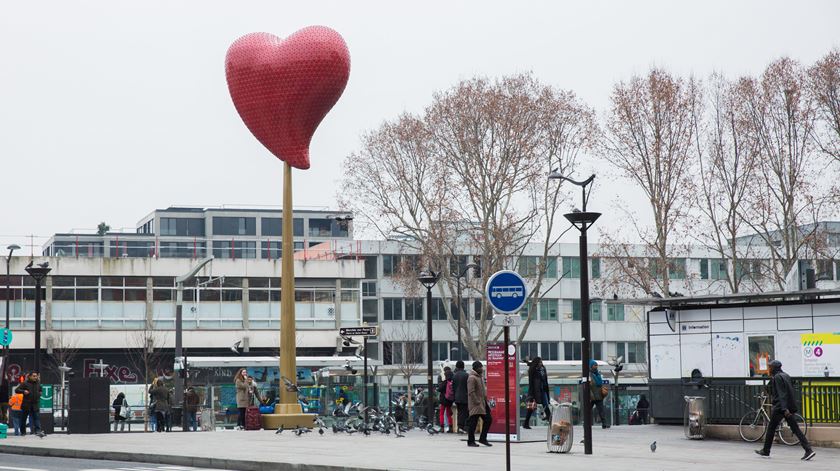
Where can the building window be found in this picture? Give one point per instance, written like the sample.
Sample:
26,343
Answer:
414,309
320,227
193,249
457,265
271,227
636,352
370,311
392,353
413,352
192,227
528,266
526,309
595,311
676,268
551,267
271,249
369,288
477,305
571,351
615,312
595,351
234,249
549,351
825,269
749,269
596,268
234,226
575,309
392,309
438,310
456,312
390,264
548,310
571,267
529,350
370,268
440,351
712,269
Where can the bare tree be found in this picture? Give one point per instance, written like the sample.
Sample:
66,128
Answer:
650,138
727,157
790,198
469,177
824,84
64,348
406,344
144,354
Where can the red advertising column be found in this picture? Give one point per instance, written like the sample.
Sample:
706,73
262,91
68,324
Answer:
496,391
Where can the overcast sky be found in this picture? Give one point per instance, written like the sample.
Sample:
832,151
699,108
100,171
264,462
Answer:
110,109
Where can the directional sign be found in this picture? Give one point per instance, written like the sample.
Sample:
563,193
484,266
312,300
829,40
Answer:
506,291
358,331
6,337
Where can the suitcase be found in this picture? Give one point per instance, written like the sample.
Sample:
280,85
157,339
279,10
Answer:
208,420
252,418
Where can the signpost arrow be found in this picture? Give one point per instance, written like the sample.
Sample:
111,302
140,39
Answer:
368,331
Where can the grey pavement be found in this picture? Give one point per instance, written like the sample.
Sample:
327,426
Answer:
45,463
616,448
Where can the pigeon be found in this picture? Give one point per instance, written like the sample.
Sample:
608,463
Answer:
653,447
31,262
235,347
44,265
280,430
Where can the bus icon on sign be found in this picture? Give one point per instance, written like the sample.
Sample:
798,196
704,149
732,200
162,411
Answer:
507,292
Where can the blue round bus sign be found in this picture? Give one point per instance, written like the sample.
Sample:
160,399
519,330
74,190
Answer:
506,291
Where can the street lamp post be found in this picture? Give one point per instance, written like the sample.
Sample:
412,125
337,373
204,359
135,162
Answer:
463,274
38,272
582,220
179,330
428,279
11,248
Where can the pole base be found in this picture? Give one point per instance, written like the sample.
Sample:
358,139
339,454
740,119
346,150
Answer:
288,416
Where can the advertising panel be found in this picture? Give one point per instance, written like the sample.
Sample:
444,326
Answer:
821,354
496,391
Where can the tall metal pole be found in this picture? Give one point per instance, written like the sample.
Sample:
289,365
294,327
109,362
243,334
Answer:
365,387
460,316
37,325
430,406
507,398
288,349
179,348
584,331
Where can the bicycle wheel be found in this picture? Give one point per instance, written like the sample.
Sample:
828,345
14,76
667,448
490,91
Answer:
786,434
753,426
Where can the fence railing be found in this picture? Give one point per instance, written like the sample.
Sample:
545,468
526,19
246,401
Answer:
818,399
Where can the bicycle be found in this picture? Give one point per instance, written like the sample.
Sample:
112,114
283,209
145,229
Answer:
753,424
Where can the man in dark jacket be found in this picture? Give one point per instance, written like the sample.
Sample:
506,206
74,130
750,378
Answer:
784,406
31,407
191,402
459,383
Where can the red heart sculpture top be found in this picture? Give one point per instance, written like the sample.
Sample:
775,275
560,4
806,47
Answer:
282,89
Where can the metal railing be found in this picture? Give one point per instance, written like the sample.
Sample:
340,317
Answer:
730,399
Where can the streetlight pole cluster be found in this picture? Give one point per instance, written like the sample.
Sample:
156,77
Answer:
583,220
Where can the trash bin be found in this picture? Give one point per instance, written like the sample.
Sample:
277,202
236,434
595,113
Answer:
560,431
695,417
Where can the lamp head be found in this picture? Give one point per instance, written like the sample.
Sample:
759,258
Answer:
428,278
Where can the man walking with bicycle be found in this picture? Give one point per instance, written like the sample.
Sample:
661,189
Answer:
784,406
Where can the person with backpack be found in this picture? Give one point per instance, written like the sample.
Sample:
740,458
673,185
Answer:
447,398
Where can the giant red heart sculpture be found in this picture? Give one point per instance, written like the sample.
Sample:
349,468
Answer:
282,89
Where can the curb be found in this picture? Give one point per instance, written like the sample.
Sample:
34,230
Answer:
175,460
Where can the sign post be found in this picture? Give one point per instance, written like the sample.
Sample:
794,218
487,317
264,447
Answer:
506,292
365,331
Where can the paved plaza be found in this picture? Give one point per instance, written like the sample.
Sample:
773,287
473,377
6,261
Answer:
617,448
